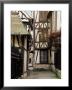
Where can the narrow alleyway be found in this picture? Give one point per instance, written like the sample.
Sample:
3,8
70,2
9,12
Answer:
35,45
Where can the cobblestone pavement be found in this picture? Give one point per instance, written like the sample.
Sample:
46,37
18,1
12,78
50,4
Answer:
41,75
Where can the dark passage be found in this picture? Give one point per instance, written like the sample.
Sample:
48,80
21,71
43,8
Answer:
16,63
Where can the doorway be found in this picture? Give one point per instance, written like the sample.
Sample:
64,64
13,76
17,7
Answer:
43,56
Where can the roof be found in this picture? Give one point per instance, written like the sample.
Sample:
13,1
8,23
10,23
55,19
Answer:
17,27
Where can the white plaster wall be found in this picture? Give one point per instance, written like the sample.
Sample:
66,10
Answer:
25,55
37,20
58,20
31,33
52,56
38,37
16,42
36,16
54,21
38,57
36,34
52,61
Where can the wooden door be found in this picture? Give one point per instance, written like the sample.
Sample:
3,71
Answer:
43,56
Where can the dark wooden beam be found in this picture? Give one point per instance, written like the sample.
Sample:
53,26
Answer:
42,28
40,41
40,48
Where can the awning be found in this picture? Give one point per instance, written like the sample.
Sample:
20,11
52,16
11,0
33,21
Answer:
17,27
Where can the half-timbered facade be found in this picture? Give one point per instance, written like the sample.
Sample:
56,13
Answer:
45,24
19,49
35,42
40,33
